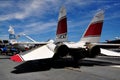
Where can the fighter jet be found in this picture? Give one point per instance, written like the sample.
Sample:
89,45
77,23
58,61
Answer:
88,46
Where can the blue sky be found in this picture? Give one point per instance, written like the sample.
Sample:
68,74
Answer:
38,18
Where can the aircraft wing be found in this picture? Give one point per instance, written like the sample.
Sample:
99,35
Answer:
32,43
105,46
109,53
25,43
47,50
44,52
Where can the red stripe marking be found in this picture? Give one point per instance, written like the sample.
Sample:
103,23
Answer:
16,58
94,29
62,26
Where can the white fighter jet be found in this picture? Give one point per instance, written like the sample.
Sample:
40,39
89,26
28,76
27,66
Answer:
88,46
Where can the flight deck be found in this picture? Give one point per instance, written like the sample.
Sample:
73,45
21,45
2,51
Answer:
100,68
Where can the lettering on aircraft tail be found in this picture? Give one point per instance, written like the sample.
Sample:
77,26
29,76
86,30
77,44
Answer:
62,36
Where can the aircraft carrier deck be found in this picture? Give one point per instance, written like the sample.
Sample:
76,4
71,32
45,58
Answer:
100,68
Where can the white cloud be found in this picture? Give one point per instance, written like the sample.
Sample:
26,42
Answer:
4,4
3,37
46,10
37,8
113,16
26,10
78,2
39,27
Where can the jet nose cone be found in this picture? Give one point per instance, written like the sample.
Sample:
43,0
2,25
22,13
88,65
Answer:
16,58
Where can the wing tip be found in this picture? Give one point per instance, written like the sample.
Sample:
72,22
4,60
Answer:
16,58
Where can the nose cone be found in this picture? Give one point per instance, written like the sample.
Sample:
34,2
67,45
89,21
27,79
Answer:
16,58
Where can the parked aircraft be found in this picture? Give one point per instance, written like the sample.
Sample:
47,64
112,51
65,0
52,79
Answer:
88,46
13,38
23,46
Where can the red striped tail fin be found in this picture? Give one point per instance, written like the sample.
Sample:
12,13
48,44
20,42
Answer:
61,33
93,32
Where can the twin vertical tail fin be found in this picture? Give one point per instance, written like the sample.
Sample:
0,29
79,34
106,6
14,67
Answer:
93,32
61,33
